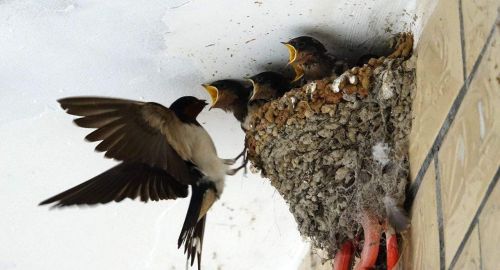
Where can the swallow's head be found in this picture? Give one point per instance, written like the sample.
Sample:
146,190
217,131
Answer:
188,106
300,47
268,85
225,93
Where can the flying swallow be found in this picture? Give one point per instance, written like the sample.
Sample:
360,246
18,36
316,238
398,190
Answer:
309,59
268,86
162,152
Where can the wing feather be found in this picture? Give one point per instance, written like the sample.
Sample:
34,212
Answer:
133,131
126,180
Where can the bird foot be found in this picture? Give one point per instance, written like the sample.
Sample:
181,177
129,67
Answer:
242,154
343,258
243,165
237,169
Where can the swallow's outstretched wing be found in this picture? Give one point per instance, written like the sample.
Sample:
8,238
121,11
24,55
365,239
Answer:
133,131
126,180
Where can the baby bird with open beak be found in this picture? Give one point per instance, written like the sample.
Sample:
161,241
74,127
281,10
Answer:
268,86
236,97
230,96
310,60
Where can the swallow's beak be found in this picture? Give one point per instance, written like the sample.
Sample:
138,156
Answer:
213,92
299,73
292,53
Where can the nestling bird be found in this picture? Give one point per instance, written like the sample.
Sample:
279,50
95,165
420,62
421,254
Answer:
234,96
162,152
230,96
310,60
268,85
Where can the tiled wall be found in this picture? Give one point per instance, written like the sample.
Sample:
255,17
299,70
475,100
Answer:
455,140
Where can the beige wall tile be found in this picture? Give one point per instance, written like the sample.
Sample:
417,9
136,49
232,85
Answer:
469,155
489,223
421,245
439,77
478,16
470,258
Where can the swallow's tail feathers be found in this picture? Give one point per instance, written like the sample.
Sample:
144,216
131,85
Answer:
194,225
126,180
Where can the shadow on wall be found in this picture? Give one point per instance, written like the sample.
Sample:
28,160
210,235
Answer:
349,49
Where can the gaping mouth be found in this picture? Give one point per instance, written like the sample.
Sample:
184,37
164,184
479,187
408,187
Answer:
299,73
255,90
213,92
292,53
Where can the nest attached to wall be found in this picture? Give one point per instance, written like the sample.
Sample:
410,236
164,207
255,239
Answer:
337,146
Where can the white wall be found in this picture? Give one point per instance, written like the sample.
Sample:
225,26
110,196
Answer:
151,50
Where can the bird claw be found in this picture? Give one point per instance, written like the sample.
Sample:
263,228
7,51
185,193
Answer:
237,169
243,165
240,155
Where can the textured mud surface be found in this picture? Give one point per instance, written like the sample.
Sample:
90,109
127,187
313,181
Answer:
337,146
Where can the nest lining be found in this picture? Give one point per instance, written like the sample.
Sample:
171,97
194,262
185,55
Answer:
337,146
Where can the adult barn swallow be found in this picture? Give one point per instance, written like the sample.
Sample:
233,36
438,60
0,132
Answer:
268,86
309,58
162,152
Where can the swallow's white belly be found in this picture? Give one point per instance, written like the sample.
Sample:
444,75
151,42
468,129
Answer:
195,144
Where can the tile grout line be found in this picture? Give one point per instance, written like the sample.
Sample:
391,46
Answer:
439,210
475,220
462,39
480,249
450,117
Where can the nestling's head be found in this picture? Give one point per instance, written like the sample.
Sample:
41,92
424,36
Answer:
268,85
300,47
226,93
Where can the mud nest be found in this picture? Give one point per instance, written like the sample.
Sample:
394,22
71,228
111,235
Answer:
336,147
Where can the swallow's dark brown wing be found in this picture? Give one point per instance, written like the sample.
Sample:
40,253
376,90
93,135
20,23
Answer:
134,132
126,180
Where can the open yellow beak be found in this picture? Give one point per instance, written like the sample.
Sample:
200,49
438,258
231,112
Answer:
299,73
255,90
213,92
292,53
